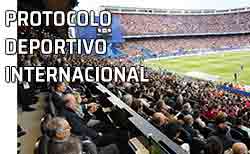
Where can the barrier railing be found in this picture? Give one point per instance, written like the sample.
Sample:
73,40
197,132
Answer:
148,130
235,91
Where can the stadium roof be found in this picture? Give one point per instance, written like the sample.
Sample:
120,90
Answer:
167,4
137,10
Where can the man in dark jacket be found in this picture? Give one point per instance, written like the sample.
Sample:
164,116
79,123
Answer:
63,142
188,125
58,94
222,132
238,128
78,122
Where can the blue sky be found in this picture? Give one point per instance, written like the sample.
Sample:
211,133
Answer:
169,4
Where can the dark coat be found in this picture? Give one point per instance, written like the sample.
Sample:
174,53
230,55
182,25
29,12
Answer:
57,101
225,138
78,124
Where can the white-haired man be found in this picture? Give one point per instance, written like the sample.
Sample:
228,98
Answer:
63,142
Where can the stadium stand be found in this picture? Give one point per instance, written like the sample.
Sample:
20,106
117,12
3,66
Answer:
170,114
160,30
136,23
53,107
165,45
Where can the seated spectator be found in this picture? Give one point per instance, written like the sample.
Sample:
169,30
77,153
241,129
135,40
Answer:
238,127
197,120
61,139
128,99
160,121
186,147
172,127
188,125
222,131
72,146
78,121
187,109
212,111
182,136
137,105
77,97
162,107
170,101
214,146
84,111
63,142
200,125
239,148
57,95
179,99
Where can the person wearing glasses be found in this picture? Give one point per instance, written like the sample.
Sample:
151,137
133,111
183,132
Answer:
63,142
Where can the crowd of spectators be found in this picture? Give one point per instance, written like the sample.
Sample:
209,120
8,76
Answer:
187,110
74,128
138,24
192,113
164,45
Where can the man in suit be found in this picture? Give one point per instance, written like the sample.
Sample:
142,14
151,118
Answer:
63,142
84,111
58,94
78,122
188,125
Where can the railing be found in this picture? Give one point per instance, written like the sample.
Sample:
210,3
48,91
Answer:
147,129
161,35
234,90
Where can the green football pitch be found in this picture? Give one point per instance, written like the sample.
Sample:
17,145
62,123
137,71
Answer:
223,65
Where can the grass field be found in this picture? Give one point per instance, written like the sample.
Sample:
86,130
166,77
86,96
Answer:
222,64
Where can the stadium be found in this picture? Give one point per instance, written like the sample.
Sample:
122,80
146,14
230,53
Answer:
171,33
197,100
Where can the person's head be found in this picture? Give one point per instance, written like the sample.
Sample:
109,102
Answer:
239,148
128,99
137,105
58,129
214,146
220,121
238,122
188,119
71,146
70,101
77,97
59,87
151,90
196,114
159,118
159,105
187,107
